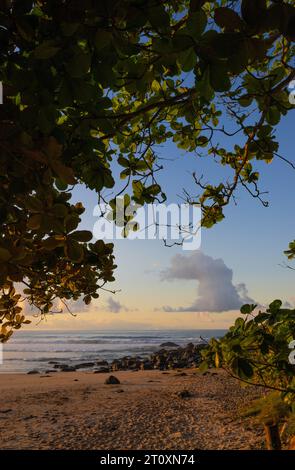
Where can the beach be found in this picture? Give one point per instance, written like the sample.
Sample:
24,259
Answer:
150,410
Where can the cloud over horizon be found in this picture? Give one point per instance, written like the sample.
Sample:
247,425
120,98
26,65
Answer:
115,306
216,291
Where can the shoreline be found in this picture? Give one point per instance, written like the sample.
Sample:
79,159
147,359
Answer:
169,356
151,409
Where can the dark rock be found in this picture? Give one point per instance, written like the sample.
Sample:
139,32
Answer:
184,394
112,380
146,365
175,357
33,372
117,365
67,368
85,365
102,363
50,371
169,344
6,410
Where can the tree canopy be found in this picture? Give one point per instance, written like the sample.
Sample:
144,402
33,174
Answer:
90,83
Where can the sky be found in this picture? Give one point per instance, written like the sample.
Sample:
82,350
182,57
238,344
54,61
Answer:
240,260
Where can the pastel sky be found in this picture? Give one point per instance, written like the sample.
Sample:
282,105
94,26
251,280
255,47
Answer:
240,259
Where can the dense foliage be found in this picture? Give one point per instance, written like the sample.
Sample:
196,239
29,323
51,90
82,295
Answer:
87,83
256,351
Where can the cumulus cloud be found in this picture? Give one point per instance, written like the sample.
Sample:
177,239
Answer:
216,291
115,306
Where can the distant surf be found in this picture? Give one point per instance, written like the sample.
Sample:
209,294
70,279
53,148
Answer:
28,350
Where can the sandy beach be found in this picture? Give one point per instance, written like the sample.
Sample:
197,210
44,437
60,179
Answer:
76,410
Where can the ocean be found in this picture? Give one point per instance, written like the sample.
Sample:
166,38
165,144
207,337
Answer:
28,350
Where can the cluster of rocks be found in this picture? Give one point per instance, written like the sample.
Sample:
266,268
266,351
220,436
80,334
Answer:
73,368
170,356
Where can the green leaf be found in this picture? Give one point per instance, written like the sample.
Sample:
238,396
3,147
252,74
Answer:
5,255
87,299
187,59
81,236
34,222
226,44
71,222
108,179
227,18
74,251
154,189
99,247
219,78
51,243
203,86
123,162
273,115
245,101
155,86
125,173
253,11
68,29
61,185
102,39
202,140
65,173
46,50
275,305
158,17
261,317
196,24
242,368
59,210
33,204
79,64
247,308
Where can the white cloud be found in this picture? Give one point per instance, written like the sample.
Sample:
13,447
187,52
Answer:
216,291
115,306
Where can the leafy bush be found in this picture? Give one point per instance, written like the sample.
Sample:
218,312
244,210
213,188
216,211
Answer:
256,351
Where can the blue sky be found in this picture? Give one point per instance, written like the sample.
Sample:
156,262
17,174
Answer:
250,242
